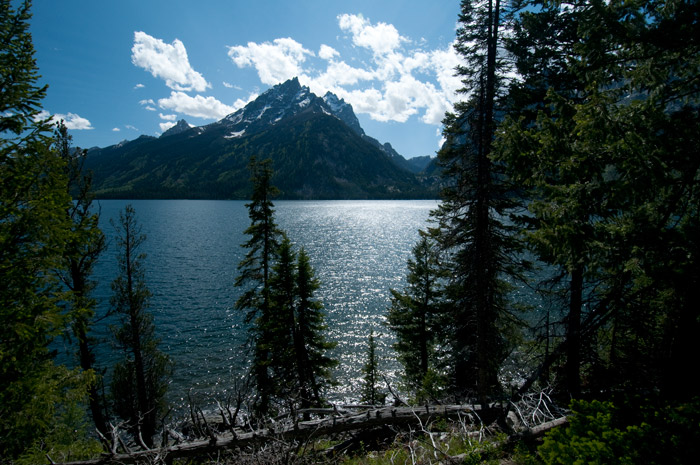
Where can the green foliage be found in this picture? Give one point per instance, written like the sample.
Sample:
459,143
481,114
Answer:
140,380
416,318
370,391
647,432
312,349
478,244
610,164
288,322
68,438
298,361
82,250
254,275
34,230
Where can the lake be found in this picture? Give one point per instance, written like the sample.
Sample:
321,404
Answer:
358,249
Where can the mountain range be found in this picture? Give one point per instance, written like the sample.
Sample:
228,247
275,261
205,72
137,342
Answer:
318,149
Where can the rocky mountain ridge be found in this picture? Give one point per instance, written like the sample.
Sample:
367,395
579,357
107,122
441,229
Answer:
317,145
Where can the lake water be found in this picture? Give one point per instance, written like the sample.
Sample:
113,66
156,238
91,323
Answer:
357,248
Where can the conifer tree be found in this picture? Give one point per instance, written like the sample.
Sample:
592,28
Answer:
476,199
611,162
254,274
415,316
280,326
298,357
33,233
86,244
140,380
311,345
370,392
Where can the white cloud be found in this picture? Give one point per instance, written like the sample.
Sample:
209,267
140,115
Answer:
391,82
167,117
444,63
128,126
166,61
240,103
167,125
70,120
342,74
197,106
116,129
327,53
381,38
275,62
148,104
139,86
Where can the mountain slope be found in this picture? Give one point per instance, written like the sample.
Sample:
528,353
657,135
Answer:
317,146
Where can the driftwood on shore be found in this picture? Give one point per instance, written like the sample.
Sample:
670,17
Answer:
335,422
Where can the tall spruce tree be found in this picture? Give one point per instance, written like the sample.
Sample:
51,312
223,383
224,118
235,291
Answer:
415,317
254,274
280,325
140,380
612,164
471,228
287,321
86,244
33,233
313,363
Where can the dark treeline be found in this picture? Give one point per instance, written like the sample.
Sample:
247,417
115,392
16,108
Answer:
571,167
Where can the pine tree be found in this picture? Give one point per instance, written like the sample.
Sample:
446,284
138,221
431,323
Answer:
254,274
313,363
611,163
415,317
280,326
86,244
140,380
298,357
476,199
33,234
370,392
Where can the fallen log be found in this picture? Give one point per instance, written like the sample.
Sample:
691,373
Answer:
526,434
371,418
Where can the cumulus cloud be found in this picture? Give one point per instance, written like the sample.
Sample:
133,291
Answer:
275,61
139,86
380,38
70,120
166,61
197,106
444,63
116,129
327,52
167,125
396,82
167,117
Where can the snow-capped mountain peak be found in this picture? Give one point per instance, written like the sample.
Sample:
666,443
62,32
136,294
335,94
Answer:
286,100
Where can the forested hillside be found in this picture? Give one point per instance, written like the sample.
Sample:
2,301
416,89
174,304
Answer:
317,145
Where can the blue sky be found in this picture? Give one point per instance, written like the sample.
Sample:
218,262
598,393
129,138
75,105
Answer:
120,69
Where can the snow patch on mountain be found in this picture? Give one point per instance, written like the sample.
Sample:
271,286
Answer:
235,135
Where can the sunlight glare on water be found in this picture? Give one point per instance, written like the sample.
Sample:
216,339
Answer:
357,248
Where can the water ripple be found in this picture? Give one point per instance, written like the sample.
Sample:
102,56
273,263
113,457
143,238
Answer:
358,249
